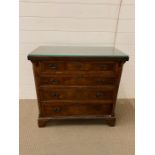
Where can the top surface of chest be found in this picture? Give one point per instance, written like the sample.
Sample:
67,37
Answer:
57,52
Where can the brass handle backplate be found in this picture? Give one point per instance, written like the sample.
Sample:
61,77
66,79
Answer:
57,109
77,64
53,66
54,81
55,95
104,66
101,80
99,94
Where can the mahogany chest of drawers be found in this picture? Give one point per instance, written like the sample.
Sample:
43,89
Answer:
77,82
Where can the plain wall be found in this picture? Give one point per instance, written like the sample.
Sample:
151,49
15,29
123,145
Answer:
76,22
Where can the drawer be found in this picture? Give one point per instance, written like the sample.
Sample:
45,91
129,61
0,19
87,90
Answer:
81,110
70,93
76,80
65,66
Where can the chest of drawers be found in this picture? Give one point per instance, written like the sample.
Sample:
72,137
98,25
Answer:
77,82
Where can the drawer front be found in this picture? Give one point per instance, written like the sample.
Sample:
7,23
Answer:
76,94
59,66
76,80
81,110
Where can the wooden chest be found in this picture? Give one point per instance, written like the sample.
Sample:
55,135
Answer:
77,82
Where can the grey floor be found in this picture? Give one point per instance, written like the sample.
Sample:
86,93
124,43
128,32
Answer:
77,137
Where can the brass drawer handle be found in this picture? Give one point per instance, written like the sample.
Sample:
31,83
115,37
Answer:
53,66
101,80
77,64
55,95
57,109
54,81
99,94
104,66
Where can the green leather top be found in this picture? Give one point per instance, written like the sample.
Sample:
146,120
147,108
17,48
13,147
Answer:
78,51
